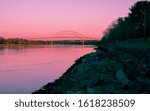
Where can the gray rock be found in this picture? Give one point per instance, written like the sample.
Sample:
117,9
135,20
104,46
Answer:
107,78
109,88
85,83
121,77
95,90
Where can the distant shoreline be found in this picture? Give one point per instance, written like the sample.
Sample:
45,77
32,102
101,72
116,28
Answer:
21,41
38,44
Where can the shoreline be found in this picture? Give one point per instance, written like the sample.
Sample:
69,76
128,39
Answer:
106,71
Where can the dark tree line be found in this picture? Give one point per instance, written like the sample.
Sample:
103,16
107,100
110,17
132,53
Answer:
135,25
13,41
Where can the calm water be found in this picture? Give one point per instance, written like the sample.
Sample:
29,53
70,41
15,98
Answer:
25,69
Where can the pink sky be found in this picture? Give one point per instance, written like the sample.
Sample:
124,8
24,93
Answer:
40,18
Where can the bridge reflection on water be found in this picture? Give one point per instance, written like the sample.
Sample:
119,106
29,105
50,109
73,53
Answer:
65,35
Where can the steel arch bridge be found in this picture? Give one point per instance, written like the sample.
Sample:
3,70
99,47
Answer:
67,35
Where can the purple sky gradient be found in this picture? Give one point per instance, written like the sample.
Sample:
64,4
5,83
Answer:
39,18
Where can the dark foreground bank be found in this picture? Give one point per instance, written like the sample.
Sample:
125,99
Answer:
112,69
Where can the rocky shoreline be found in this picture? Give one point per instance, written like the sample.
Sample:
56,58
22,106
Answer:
106,71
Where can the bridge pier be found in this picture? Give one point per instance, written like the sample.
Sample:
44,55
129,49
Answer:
51,42
82,42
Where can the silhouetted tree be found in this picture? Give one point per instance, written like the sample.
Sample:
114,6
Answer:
135,25
140,13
